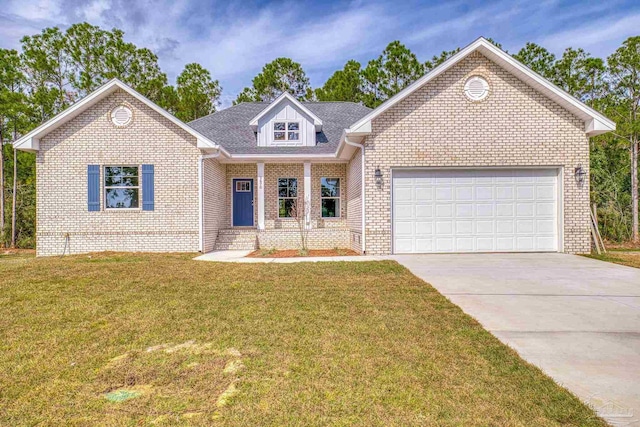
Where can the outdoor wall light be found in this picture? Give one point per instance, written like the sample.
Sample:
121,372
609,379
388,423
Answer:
378,176
580,173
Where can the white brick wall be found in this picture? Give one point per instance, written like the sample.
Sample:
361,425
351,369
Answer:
438,126
354,201
214,202
91,138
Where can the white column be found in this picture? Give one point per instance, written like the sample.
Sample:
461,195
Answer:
307,194
260,196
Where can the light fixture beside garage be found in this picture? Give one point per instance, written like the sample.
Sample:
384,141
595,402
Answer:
378,177
580,174
476,88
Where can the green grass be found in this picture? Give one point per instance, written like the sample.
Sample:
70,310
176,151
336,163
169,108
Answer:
308,344
626,257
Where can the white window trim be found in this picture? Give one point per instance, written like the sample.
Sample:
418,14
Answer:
286,140
339,198
285,198
105,188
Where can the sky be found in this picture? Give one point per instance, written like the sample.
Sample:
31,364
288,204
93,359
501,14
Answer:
234,40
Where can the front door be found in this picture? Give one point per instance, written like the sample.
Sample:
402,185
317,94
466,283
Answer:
242,202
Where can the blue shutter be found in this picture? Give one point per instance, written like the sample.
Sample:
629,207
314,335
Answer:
147,187
93,188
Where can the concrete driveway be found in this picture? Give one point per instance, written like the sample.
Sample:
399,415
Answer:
576,318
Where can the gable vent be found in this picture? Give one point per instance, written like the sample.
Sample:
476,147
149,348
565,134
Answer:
121,115
476,88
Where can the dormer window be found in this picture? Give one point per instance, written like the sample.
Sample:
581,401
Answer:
286,131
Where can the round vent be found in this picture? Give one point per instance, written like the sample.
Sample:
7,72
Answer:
121,115
476,88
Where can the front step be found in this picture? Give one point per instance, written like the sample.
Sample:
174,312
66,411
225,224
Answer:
237,239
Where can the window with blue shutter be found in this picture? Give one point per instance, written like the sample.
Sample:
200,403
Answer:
93,188
147,188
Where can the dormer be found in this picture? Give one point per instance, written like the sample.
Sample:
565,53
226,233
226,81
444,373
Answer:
286,123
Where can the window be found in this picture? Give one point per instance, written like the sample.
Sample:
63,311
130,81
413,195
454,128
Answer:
330,196
286,131
121,187
287,195
243,186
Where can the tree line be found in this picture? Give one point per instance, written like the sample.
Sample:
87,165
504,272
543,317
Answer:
56,68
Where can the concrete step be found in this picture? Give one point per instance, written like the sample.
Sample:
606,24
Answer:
236,238
237,231
235,246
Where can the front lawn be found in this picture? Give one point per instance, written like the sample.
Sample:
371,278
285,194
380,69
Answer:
630,258
138,339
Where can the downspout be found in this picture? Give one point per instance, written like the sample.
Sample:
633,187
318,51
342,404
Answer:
201,196
362,204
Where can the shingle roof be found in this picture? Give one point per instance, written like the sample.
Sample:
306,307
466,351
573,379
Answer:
230,127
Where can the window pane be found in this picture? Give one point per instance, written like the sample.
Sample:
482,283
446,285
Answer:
282,192
130,171
278,126
294,136
122,198
330,187
278,136
293,187
330,208
294,126
284,208
121,176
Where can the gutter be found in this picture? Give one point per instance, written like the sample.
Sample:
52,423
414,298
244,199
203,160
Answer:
201,159
362,204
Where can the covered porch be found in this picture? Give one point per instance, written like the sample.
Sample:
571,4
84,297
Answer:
266,204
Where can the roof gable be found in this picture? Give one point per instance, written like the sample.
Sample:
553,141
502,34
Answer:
595,123
31,141
296,104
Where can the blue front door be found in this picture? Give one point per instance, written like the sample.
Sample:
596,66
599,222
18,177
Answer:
242,202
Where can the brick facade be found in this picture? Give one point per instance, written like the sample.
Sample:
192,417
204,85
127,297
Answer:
91,139
214,202
437,126
354,201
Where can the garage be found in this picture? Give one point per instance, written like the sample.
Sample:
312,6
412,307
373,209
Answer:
475,210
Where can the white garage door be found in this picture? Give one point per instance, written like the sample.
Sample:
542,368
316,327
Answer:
475,210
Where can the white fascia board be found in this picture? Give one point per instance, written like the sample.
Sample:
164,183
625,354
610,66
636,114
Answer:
519,70
285,95
102,92
596,127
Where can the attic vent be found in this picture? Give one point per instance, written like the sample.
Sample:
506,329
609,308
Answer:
121,115
476,88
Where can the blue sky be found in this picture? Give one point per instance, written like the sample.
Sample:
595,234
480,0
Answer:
235,39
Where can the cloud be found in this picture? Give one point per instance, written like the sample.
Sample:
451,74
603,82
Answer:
235,39
600,38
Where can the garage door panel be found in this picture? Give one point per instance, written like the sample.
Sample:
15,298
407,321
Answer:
424,193
475,210
403,194
404,229
464,193
464,244
464,227
424,245
505,209
424,228
424,211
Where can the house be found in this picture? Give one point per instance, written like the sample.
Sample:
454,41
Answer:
481,154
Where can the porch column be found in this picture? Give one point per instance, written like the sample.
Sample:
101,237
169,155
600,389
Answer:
307,194
260,196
